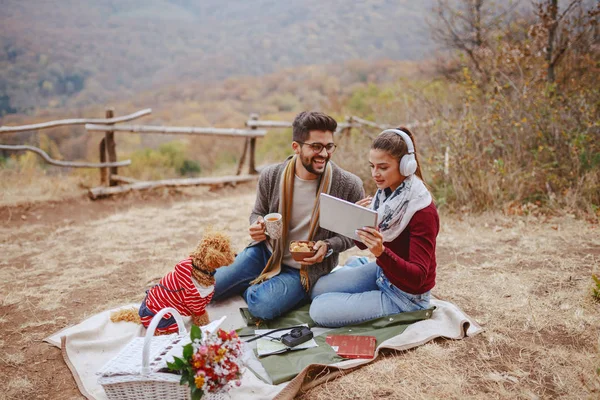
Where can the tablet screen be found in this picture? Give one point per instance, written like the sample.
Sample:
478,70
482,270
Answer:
341,216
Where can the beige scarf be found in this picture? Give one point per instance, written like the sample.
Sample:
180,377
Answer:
273,266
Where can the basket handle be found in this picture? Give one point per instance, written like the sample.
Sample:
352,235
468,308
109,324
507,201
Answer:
150,333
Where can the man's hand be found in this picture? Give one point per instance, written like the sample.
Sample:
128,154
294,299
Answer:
366,202
319,256
371,238
258,230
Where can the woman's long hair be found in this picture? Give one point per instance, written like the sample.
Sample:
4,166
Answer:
394,145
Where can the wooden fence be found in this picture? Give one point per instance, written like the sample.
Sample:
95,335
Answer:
111,182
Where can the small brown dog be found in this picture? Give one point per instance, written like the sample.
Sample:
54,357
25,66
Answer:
189,287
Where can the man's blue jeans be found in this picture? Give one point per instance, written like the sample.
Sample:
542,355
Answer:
267,300
354,295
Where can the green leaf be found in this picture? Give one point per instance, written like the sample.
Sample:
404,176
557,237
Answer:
188,350
195,333
191,380
183,380
185,375
177,364
197,393
180,362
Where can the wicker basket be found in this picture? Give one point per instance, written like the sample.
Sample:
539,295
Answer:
132,376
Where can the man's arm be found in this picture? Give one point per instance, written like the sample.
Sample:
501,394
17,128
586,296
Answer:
261,205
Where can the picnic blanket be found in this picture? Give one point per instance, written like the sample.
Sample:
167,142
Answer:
87,346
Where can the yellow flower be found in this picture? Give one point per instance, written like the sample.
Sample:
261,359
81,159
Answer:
199,381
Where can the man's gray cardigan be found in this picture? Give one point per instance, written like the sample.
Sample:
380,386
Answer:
344,185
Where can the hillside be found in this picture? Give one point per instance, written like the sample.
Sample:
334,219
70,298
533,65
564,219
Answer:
75,53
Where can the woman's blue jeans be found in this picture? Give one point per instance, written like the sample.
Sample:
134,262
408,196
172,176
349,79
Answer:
267,300
353,295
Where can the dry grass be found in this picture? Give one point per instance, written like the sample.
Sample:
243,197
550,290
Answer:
526,280
20,186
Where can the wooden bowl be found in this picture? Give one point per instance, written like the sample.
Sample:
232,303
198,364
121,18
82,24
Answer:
301,255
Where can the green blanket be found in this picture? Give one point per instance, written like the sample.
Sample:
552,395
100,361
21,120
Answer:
284,367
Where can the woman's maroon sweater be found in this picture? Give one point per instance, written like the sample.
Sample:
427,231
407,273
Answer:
409,260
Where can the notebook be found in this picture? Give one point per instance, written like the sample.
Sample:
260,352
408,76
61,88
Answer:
353,346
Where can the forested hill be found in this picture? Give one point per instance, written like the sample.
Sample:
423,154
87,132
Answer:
77,52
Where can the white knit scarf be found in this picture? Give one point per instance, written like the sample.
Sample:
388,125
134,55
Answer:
395,211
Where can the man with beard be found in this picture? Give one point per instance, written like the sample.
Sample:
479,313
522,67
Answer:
265,273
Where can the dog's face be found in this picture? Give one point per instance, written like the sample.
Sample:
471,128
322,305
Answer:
213,251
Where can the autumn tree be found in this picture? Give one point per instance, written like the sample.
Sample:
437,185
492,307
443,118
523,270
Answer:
465,26
573,28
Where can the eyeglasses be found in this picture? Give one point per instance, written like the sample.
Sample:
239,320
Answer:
318,147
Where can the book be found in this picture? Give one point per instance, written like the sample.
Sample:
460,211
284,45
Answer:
353,346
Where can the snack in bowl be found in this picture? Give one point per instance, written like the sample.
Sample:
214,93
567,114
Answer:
301,249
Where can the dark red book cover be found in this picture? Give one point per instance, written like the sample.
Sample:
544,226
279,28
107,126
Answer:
353,346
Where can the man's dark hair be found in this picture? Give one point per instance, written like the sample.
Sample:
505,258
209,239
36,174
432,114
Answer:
308,121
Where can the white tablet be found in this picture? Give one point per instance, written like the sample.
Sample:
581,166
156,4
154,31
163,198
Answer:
341,216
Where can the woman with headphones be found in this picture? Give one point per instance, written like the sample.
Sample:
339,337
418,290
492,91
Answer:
403,243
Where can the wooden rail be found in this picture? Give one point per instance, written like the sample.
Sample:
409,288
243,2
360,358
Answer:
351,122
252,123
79,121
178,130
58,163
103,191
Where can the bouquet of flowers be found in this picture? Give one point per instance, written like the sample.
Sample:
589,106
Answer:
210,362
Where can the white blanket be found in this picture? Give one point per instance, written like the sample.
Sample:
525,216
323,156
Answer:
87,346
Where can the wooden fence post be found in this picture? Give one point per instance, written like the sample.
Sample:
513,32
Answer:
243,157
349,128
103,171
251,167
111,148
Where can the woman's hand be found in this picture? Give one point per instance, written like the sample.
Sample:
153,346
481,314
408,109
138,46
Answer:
366,202
373,239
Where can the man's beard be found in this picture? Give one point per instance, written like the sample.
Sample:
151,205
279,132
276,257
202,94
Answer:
307,163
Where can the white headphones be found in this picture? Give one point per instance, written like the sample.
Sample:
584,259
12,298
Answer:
408,162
